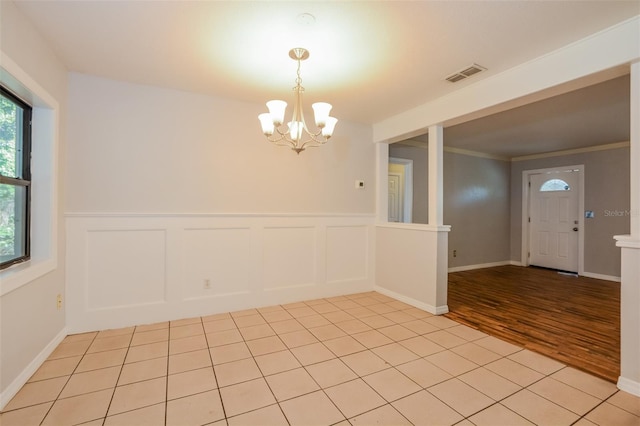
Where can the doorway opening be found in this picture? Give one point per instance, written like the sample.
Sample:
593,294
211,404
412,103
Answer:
400,181
552,220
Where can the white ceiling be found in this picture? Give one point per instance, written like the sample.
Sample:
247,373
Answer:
370,59
594,115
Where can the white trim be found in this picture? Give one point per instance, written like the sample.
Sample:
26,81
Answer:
23,273
526,174
415,226
628,386
474,153
209,215
435,175
602,277
414,143
606,147
617,145
435,310
13,388
627,241
407,216
424,145
481,266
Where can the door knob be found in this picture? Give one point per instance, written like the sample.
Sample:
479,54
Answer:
575,229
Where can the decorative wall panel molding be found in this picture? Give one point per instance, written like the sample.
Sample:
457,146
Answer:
347,242
289,257
125,268
129,269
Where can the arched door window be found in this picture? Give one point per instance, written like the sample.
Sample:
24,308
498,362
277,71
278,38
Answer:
555,185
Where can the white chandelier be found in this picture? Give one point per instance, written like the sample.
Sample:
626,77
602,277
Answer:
293,134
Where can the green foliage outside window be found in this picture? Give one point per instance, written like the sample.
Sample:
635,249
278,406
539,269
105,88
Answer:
8,166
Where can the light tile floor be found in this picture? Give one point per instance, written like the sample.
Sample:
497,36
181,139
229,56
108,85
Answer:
360,359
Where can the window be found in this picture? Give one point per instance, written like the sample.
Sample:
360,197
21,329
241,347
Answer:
15,179
555,185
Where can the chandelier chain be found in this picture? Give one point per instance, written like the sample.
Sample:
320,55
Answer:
299,78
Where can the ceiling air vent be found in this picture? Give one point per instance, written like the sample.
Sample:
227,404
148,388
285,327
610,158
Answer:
464,73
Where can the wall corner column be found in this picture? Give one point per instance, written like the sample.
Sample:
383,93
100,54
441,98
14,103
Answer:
436,213
382,185
436,174
629,380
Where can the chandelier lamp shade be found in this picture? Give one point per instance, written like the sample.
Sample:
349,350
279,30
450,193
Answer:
295,133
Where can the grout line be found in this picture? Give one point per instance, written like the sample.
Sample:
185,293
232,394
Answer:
224,411
106,413
166,383
334,318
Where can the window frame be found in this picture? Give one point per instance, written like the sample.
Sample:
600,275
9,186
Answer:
45,129
25,176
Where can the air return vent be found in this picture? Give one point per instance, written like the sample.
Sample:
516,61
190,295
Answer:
465,73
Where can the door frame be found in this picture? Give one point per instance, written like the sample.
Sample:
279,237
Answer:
526,196
407,165
400,198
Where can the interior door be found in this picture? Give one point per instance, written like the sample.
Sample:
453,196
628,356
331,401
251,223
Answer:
396,202
554,219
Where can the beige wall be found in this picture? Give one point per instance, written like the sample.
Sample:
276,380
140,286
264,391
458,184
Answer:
606,190
29,318
476,203
145,149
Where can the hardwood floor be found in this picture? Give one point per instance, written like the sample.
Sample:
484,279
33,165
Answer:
575,320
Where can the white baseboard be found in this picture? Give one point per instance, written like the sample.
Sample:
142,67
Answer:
435,310
483,265
601,277
516,263
33,366
629,386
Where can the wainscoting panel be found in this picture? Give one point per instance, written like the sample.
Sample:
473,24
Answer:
289,257
346,253
129,269
216,262
125,268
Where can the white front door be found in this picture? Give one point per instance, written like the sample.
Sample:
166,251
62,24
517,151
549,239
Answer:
396,202
554,220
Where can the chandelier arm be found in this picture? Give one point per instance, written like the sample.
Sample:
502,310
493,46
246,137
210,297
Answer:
313,138
312,143
284,136
281,133
283,142
276,139
313,146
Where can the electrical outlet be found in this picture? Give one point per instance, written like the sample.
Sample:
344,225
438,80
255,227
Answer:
207,284
59,302
455,253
